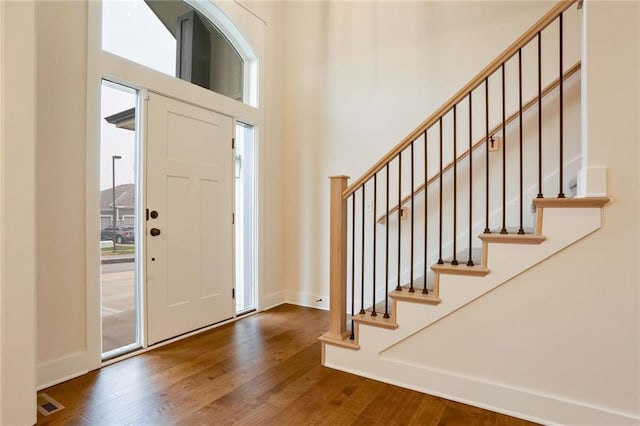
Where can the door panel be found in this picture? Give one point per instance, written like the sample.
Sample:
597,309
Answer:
189,182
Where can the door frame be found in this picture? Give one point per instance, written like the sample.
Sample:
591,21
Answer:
104,65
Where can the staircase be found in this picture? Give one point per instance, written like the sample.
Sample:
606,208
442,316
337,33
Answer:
445,218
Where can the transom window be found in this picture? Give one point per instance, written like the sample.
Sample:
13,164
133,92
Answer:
171,37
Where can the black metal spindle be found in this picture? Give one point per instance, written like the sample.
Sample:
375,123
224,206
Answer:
362,254
454,261
440,261
486,155
398,286
375,212
470,261
560,88
426,222
540,195
411,289
386,252
353,260
521,229
504,159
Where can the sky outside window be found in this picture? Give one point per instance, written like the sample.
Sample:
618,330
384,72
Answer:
131,30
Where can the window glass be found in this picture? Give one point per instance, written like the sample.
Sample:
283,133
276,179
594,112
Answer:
118,212
171,37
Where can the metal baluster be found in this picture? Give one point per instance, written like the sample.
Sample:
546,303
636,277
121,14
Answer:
454,262
353,260
440,261
362,254
426,221
486,154
386,254
504,159
411,289
521,229
560,87
398,286
470,262
375,212
540,195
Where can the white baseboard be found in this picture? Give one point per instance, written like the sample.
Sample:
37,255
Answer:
307,299
62,369
272,300
521,403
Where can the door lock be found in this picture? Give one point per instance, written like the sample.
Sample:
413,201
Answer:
154,232
154,214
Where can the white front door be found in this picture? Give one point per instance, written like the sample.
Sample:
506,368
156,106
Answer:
189,231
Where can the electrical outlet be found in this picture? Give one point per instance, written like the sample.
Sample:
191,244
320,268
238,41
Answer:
494,143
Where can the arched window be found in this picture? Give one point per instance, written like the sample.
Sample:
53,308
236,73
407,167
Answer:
193,41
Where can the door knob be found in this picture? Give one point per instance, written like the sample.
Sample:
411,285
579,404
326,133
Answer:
154,232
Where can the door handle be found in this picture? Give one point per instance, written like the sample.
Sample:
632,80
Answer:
154,232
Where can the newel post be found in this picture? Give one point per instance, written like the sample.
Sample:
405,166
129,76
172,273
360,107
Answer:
338,260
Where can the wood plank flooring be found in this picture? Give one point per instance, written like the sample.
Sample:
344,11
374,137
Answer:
264,369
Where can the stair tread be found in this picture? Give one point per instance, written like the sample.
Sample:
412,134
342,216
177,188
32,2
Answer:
418,282
512,230
577,202
462,256
417,296
379,320
461,269
513,238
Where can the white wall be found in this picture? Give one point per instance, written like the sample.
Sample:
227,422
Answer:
359,76
271,150
2,83
61,162
17,203
570,326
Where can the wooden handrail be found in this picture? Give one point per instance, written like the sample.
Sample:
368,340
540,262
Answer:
570,72
542,23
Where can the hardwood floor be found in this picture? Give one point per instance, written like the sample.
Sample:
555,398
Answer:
263,369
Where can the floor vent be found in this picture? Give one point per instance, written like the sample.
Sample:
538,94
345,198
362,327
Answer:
48,405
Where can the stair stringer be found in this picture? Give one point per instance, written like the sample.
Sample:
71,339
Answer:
561,227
